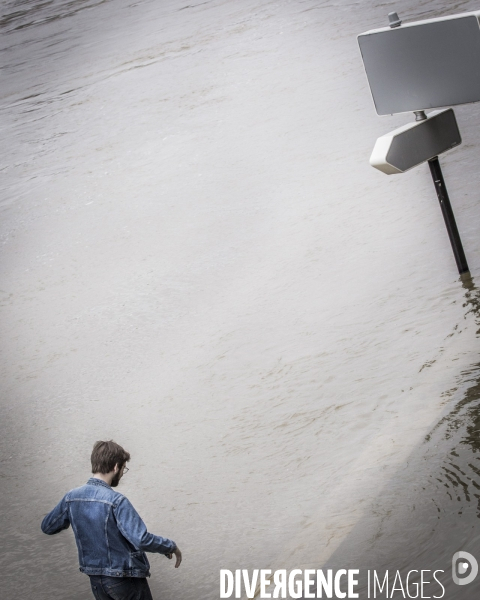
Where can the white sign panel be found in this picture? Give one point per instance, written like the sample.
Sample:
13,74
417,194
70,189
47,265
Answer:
424,64
415,143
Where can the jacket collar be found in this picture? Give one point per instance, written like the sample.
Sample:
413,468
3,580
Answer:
95,481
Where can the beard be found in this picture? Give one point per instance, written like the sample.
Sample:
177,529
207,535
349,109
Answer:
116,479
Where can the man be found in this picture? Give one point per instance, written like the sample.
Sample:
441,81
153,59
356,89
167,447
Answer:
111,537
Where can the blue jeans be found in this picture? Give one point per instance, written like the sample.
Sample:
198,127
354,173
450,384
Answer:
120,588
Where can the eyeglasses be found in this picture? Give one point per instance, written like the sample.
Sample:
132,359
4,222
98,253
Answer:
125,470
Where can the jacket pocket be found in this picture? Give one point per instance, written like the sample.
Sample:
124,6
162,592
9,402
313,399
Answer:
139,561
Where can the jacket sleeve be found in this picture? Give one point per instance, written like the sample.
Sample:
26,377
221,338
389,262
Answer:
134,529
57,519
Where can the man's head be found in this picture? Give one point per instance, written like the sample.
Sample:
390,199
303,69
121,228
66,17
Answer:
108,457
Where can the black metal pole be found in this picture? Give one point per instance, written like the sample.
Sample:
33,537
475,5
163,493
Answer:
448,215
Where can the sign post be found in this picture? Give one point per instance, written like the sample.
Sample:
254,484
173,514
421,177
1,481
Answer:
414,67
448,215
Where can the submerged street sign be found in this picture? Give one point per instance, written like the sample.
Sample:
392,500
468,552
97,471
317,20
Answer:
420,65
423,64
415,143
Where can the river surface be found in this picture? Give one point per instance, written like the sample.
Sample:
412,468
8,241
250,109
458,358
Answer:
199,263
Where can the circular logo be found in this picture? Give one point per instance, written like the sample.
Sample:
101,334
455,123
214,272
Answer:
463,563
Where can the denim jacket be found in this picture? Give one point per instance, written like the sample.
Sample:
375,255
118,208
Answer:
111,537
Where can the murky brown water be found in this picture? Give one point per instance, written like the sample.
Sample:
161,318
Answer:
199,262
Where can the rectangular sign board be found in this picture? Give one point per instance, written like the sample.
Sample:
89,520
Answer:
424,64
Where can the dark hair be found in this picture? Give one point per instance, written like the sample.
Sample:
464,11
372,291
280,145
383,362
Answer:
105,455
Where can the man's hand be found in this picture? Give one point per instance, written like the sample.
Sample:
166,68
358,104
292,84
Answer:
178,556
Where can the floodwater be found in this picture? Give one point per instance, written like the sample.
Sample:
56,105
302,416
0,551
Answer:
199,263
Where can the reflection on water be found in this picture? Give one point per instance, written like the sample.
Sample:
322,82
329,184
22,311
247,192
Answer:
430,508
472,299
460,474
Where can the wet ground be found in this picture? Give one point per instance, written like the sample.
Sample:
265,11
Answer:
199,262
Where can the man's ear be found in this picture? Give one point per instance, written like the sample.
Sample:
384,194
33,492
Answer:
116,468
